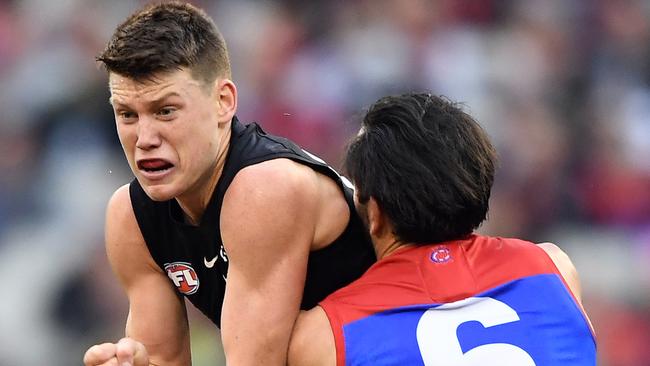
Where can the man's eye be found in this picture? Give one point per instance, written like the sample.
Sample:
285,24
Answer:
127,115
166,112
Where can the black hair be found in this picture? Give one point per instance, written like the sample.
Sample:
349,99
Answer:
428,164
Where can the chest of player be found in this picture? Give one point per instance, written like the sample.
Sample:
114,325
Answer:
196,263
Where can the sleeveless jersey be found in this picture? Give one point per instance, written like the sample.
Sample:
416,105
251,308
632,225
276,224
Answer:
478,301
194,257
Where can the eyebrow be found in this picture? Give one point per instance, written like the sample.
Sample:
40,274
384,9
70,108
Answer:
153,102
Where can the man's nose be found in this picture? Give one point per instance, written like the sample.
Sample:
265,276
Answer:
148,134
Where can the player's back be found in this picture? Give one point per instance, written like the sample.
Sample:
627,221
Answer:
480,301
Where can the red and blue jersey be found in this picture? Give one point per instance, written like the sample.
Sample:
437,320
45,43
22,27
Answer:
479,301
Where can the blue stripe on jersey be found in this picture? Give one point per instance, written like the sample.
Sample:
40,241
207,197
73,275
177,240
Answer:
550,330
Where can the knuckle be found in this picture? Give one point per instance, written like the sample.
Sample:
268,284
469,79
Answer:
125,347
92,353
98,354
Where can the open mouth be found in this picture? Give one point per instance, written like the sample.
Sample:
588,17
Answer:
154,165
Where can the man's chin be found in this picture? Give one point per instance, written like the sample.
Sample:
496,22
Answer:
158,192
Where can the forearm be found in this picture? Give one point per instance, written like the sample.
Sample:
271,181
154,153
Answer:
166,338
256,339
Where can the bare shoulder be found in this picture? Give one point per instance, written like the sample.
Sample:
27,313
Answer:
276,175
565,266
120,202
124,239
120,218
312,340
274,194
292,192
559,257
121,224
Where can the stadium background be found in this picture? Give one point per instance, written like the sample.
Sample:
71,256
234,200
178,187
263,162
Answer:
561,86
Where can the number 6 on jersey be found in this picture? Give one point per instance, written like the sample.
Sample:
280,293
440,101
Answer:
439,345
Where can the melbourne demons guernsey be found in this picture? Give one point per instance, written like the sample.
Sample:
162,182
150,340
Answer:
194,257
481,301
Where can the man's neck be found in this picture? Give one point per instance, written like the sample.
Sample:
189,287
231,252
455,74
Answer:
388,246
196,199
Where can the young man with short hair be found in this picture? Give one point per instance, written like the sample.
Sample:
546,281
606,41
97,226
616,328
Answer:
245,225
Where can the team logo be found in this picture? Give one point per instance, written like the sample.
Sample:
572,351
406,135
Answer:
183,276
441,254
209,263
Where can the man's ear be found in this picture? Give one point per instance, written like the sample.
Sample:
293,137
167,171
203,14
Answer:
377,220
225,94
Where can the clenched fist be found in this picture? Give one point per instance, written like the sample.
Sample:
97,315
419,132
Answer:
126,352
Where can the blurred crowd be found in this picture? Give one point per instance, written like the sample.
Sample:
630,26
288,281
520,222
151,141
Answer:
562,87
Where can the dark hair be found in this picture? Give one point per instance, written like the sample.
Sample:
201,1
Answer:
428,165
166,37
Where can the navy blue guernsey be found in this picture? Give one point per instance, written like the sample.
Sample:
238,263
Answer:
194,258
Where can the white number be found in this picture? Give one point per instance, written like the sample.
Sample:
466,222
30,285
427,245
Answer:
436,335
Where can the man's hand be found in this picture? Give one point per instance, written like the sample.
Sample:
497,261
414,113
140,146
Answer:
126,352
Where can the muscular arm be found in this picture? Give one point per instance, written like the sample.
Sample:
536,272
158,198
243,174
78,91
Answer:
157,316
268,224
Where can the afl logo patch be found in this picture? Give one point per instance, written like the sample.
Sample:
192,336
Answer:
440,254
183,276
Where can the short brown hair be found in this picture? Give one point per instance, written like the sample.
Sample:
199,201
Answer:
166,37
